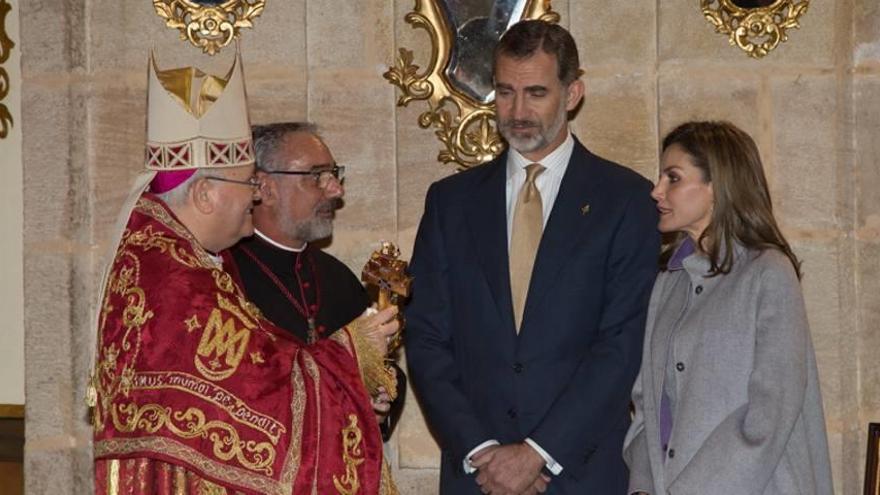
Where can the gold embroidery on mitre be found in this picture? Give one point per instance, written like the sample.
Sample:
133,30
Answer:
352,457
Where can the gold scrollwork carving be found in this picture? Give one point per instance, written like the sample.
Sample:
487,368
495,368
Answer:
209,27
256,456
6,46
755,30
352,457
465,126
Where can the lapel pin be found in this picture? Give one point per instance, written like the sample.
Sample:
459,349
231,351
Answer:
585,209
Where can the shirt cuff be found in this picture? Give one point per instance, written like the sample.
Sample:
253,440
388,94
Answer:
468,467
550,463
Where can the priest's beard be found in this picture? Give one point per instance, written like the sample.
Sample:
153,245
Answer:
318,226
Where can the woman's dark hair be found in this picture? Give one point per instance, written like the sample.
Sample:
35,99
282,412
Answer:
742,211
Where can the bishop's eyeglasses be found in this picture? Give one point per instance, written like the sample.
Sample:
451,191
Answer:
322,175
253,181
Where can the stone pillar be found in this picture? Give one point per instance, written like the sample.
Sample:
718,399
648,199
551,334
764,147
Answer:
866,296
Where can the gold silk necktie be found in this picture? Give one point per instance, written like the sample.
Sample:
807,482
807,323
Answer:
528,224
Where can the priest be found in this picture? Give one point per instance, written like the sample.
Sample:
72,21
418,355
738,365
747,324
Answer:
193,390
296,284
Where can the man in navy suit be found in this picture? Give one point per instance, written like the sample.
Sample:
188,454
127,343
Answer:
531,281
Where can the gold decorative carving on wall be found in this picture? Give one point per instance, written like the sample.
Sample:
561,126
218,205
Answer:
6,45
755,26
464,123
209,25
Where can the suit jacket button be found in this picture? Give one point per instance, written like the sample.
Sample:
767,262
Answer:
512,413
699,289
671,453
517,368
679,366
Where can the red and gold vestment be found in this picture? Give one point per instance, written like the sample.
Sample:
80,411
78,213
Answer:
197,393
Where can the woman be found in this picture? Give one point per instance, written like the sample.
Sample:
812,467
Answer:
727,400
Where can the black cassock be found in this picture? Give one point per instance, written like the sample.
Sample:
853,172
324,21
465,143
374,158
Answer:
310,293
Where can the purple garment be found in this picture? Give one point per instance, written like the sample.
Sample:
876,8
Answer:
685,249
665,421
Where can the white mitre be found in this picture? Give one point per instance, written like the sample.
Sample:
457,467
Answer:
197,120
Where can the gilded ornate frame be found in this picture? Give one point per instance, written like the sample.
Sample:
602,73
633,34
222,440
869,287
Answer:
465,126
206,26
758,30
6,46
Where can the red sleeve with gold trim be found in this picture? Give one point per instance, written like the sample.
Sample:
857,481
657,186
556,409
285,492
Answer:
189,373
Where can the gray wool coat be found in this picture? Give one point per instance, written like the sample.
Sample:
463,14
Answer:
747,407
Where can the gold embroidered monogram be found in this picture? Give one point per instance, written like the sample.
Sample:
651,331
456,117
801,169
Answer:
222,339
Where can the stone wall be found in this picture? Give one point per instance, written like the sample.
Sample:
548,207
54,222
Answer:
813,106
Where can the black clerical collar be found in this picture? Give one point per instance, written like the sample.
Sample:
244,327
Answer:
278,245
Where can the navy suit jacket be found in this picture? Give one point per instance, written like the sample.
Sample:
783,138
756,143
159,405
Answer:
565,380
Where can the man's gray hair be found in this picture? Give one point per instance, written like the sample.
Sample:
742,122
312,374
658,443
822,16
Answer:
177,196
269,137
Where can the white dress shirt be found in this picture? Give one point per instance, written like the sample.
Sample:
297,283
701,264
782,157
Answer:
555,164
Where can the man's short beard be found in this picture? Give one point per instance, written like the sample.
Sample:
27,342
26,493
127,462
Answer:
541,138
311,229
314,229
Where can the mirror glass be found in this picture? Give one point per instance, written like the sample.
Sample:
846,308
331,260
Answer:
751,4
478,25
208,3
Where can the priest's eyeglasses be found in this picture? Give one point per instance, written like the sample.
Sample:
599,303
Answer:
322,175
253,182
